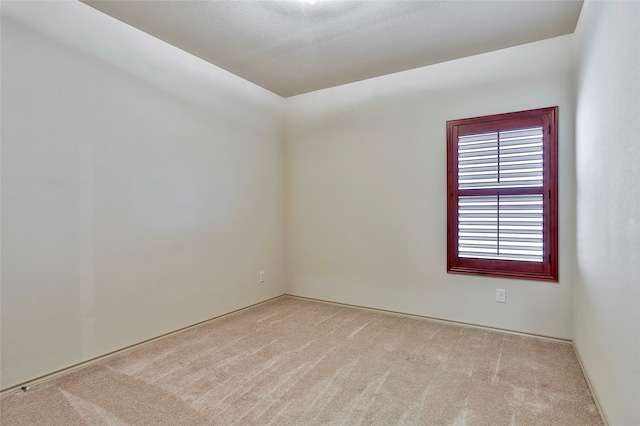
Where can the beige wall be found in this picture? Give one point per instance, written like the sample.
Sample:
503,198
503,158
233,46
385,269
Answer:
607,296
366,188
142,188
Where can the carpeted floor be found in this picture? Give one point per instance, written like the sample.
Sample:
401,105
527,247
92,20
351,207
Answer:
297,362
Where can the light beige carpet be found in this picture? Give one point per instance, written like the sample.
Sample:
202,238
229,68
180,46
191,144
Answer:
298,362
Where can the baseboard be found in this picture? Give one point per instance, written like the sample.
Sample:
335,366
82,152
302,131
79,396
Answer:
107,356
592,388
435,319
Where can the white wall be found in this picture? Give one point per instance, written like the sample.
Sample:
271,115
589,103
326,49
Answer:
366,188
142,188
607,293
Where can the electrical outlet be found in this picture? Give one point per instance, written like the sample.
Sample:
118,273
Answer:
261,276
501,295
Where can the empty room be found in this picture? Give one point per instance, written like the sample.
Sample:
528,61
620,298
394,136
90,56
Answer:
320,212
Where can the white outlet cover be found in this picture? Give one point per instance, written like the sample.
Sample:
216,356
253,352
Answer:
501,295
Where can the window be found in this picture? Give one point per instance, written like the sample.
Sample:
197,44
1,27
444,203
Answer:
502,208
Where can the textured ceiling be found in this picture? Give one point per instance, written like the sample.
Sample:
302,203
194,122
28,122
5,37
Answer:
292,47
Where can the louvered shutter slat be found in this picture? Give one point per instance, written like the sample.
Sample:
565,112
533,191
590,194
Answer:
510,159
502,227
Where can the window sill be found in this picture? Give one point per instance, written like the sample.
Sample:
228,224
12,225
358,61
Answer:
502,274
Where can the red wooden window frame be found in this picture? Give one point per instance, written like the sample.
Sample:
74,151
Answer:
547,270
